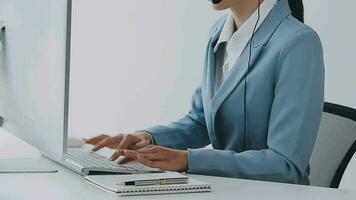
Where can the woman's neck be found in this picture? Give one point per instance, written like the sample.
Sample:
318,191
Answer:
243,10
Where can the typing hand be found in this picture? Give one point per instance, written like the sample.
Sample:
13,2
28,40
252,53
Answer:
122,141
158,157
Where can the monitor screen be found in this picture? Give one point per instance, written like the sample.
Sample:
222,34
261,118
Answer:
34,69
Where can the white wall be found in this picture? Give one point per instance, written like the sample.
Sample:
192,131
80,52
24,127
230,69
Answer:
335,23
135,63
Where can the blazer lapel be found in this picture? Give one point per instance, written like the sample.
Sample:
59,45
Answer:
209,72
238,73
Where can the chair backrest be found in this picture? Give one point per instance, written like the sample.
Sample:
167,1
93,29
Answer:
347,170
337,133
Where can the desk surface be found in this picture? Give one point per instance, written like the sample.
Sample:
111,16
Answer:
68,185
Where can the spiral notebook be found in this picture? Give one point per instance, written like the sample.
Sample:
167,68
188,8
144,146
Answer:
113,184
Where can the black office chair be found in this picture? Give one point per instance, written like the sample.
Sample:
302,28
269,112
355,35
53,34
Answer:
334,147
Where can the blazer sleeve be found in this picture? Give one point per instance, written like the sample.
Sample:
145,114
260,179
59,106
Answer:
294,120
188,132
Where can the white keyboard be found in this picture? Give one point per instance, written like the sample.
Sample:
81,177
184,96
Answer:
88,159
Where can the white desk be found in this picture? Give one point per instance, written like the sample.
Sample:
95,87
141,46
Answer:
66,185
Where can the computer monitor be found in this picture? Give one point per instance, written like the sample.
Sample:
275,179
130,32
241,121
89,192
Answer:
34,72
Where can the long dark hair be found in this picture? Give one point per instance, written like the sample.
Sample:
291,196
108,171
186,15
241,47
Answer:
297,9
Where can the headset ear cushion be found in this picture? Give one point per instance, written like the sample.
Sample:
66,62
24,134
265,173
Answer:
216,1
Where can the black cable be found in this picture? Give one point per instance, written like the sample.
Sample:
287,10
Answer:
248,71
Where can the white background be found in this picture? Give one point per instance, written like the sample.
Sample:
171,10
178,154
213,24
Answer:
136,63
335,23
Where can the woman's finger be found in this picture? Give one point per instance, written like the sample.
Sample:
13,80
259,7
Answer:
152,156
139,145
95,140
107,142
101,144
123,152
117,154
127,141
149,163
150,149
125,160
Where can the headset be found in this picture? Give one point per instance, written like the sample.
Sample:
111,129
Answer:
249,66
216,1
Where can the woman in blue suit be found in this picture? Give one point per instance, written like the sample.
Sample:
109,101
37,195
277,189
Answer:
259,104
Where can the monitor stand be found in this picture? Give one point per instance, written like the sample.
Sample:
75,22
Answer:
25,165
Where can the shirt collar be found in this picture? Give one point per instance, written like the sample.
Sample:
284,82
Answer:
227,31
246,29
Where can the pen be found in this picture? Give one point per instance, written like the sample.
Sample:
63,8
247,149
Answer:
169,181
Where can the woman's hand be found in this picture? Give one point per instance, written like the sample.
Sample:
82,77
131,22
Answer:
122,141
158,157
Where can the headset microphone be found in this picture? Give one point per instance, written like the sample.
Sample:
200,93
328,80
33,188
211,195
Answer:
216,1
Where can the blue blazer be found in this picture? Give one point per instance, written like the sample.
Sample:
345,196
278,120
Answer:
284,104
